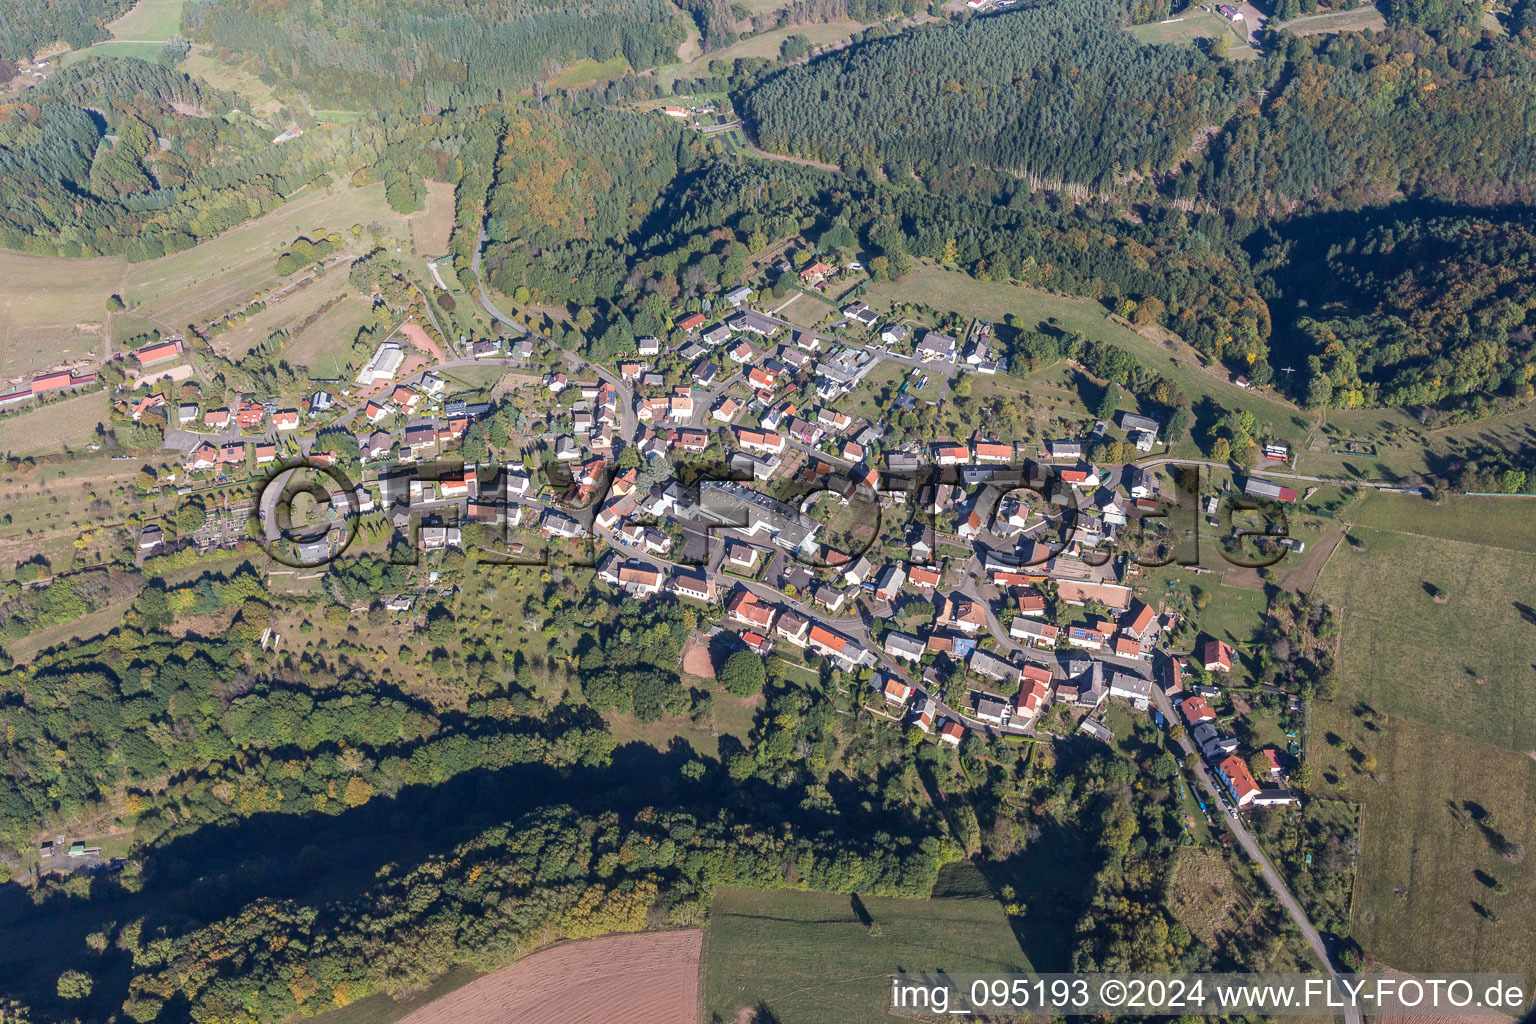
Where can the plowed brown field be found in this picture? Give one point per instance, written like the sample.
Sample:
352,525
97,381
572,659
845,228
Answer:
646,978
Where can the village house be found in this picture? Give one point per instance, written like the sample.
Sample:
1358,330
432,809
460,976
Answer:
903,645
962,613
888,585
923,577
990,666
697,587
1133,688
1086,637
1216,656
1034,634
1239,780
746,609
815,274
935,347
895,691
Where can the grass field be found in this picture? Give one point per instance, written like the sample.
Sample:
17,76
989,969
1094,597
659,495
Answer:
323,346
1441,695
1465,665
45,305
221,274
53,427
47,297
584,74
1364,19
1189,26
1404,446
993,300
1203,896
431,228
765,45
286,314
204,65
144,49
149,19
1421,836
139,33
808,958
732,716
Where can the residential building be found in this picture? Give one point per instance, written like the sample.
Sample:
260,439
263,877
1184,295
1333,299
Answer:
906,646
1239,780
1216,656
1133,688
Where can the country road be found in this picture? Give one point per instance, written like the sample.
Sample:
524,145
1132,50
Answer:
1251,847
485,302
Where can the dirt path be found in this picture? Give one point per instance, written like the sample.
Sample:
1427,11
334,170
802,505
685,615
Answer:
751,148
645,978
1304,576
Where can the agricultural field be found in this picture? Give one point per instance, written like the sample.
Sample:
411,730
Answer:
994,300
647,978
1433,728
812,957
49,429
324,345
48,317
1420,608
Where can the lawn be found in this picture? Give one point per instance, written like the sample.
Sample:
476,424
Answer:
807,957
861,401
993,300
